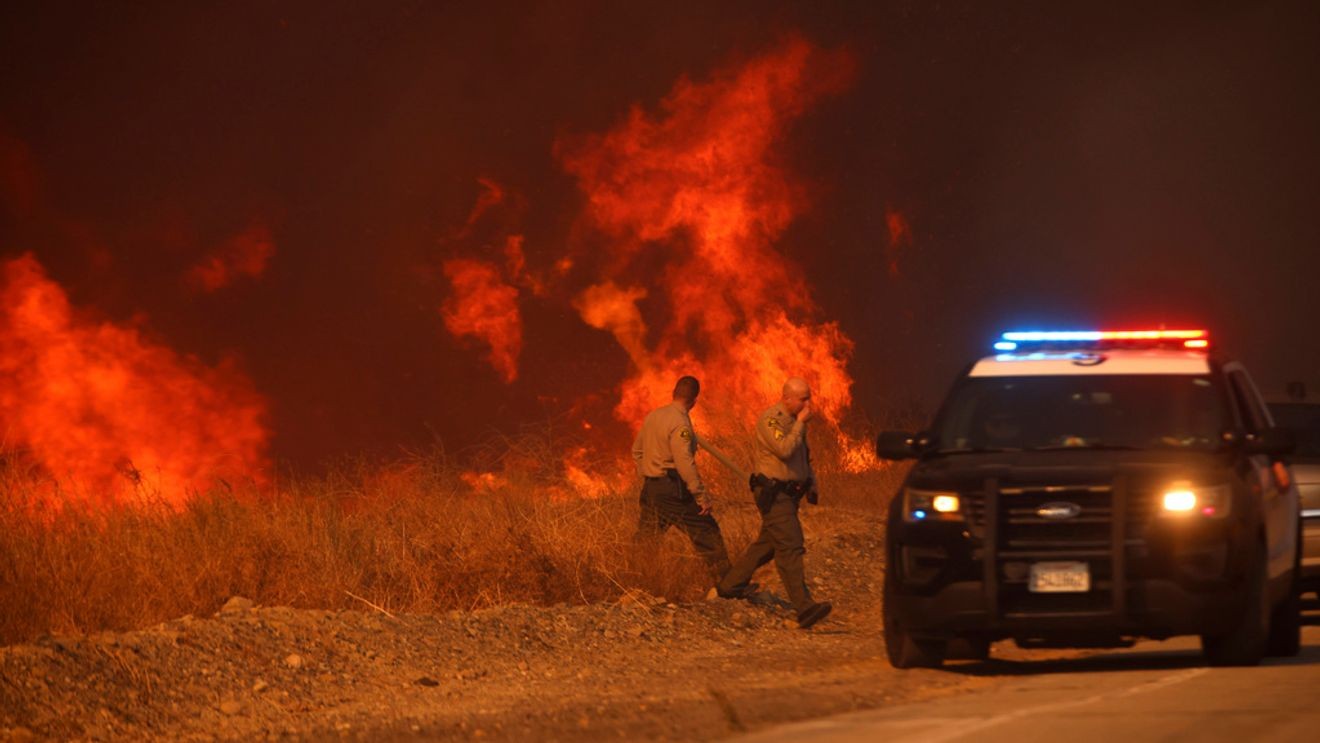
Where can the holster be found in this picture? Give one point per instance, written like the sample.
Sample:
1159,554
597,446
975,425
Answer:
766,489
765,498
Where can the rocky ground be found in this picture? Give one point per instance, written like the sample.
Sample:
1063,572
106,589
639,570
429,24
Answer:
638,668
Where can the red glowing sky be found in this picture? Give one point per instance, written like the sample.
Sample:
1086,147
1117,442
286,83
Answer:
281,187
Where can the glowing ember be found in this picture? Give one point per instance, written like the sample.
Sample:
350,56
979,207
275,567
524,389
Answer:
483,481
586,485
485,307
590,477
108,411
245,255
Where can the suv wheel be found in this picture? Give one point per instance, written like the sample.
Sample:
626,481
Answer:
1286,621
904,650
1245,643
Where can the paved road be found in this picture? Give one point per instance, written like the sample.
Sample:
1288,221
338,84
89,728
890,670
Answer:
1156,691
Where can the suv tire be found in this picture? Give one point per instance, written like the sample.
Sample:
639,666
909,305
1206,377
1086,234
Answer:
1285,639
1245,643
904,650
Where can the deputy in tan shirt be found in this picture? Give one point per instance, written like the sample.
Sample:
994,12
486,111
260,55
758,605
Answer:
781,449
672,492
782,478
666,443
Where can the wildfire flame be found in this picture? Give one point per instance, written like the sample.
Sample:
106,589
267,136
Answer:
701,180
107,411
485,307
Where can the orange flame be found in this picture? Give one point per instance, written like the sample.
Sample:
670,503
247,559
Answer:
607,307
701,180
485,307
858,455
106,410
244,255
483,481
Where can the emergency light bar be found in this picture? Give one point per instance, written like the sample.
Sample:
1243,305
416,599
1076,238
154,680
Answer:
1011,341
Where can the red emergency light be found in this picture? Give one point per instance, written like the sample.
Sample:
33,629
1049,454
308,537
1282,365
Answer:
1013,341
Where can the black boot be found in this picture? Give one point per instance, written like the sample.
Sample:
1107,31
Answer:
813,614
740,593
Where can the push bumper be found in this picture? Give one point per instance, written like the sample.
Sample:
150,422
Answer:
1155,608
1148,577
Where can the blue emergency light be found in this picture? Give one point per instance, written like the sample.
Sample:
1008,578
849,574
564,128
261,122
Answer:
1015,340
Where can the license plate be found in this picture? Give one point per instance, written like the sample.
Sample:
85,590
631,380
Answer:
1060,577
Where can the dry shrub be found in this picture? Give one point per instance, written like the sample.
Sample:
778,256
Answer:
410,536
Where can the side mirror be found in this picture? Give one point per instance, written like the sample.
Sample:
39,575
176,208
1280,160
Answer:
897,445
1276,442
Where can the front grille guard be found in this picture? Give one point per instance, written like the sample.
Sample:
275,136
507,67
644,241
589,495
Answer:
1117,553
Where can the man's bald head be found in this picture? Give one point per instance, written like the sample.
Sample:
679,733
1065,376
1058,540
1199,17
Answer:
797,393
796,387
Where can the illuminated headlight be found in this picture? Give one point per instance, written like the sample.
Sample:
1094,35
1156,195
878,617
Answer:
1207,501
931,505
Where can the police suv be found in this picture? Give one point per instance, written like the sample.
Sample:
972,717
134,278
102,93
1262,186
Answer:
1084,489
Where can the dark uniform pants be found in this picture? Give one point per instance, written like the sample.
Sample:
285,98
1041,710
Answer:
667,502
780,539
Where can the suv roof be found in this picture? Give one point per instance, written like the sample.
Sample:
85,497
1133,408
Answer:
1094,352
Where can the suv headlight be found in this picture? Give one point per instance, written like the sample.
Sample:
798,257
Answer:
931,505
1183,499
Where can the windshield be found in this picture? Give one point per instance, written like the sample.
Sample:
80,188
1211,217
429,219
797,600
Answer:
1304,421
1082,411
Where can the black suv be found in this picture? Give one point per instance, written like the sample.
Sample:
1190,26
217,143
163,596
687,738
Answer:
1086,489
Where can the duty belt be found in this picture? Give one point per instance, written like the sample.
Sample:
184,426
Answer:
792,487
669,474
766,489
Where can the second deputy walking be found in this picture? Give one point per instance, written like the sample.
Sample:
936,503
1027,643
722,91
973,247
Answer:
782,479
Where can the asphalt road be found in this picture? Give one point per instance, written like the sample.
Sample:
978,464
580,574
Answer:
1155,691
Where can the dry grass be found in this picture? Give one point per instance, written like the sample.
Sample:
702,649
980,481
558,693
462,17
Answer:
407,537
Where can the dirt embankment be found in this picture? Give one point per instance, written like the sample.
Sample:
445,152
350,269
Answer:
637,668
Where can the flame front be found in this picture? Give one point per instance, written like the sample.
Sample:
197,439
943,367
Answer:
109,412
701,182
485,307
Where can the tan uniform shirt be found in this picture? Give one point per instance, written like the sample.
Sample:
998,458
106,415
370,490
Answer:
781,446
666,441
